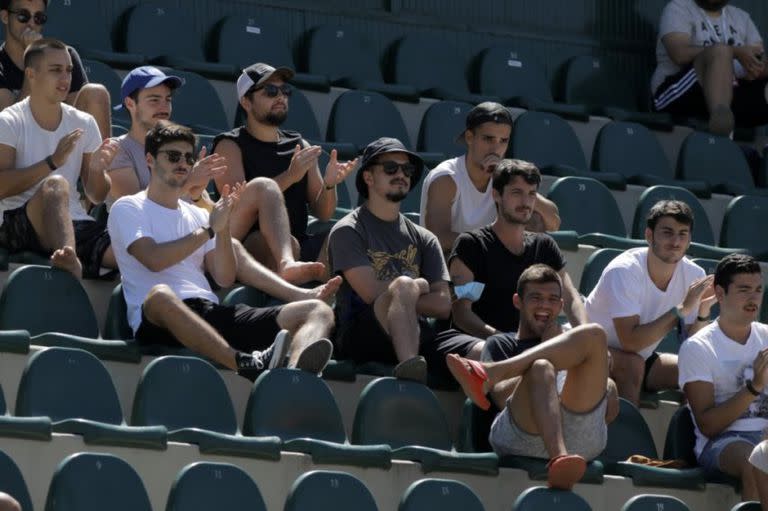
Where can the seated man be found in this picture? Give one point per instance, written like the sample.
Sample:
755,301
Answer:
456,196
710,63
724,372
163,246
645,293
554,394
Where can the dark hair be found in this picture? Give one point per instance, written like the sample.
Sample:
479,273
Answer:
165,132
35,51
538,274
507,169
6,4
676,209
732,264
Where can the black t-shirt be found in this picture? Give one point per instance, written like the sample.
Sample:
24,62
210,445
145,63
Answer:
269,159
499,269
12,78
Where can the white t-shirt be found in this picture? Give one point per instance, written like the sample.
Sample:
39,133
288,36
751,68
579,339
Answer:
710,356
470,208
685,16
136,216
19,129
625,289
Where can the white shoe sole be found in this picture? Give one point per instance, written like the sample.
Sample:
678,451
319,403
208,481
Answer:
280,349
315,357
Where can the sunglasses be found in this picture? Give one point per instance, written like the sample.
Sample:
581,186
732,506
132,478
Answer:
391,168
175,156
23,16
271,90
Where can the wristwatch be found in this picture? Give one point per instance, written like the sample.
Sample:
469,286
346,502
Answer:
49,161
210,231
751,388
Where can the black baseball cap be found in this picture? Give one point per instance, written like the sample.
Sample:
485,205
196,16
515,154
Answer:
381,146
488,111
257,74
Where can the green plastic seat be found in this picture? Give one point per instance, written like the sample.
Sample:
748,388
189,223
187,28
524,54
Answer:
751,505
210,120
249,296
593,268
74,389
33,428
12,482
647,502
738,230
539,498
442,494
204,486
94,482
441,124
326,490
99,72
407,416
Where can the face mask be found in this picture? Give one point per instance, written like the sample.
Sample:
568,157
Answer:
470,291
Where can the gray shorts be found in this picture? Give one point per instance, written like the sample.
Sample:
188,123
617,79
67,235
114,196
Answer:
585,434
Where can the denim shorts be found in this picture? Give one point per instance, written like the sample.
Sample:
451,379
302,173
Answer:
710,455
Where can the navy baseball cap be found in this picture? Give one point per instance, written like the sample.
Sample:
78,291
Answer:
381,146
145,77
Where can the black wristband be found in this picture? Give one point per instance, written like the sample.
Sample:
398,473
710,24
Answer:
752,390
702,318
210,231
49,161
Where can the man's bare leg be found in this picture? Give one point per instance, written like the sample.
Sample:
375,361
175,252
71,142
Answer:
714,69
8,503
734,461
663,374
395,309
94,99
628,372
306,321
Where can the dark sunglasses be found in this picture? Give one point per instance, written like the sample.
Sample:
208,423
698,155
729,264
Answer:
175,156
271,90
391,168
23,16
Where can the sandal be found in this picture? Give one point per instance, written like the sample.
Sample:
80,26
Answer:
565,471
471,375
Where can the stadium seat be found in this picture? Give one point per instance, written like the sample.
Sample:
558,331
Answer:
94,482
35,428
751,505
539,498
407,416
548,141
631,150
442,494
249,296
210,120
299,408
742,215
350,61
325,490
441,125
74,389
204,486
208,421
594,266
647,502
99,72
51,306
12,482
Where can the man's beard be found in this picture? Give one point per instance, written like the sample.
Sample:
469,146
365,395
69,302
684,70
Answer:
396,196
275,118
712,5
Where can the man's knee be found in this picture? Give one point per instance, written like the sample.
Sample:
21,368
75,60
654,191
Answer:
8,503
158,301
542,372
594,334
298,313
628,368
55,188
718,53
93,94
262,188
404,289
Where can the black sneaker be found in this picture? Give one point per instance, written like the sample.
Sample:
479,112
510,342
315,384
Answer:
315,357
270,358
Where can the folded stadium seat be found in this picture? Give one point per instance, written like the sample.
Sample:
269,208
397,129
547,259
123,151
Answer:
208,420
587,207
520,81
432,65
441,125
74,389
80,23
12,482
629,434
249,296
168,36
94,482
49,307
539,498
326,490
244,40
594,266
719,161
750,505
299,408
118,130
550,142
208,117
204,486
442,494
99,72
646,502
742,215
35,428
350,61
407,416
606,90
630,149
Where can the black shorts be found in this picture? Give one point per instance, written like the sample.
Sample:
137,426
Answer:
445,343
648,364
681,94
500,347
244,328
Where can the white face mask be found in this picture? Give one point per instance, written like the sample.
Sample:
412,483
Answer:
470,291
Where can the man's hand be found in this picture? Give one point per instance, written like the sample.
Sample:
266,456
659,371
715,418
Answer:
760,368
695,293
219,217
490,162
303,159
750,59
29,36
336,171
103,156
205,168
65,147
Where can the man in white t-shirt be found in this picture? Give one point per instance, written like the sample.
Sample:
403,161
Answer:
163,245
457,194
645,293
710,64
724,373
45,146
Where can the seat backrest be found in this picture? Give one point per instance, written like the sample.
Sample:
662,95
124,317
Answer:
680,441
702,229
426,61
183,392
708,265
338,52
158,29
186,102
628,434
654,503
751,505
545,139
204,486
293,404
243,40
707,157
738,230
352,119
586,206
400,413
507,72
593,268
95,482
441,124
325,490
42,299
12,482
539,498
442,494
301,117
99,72
67,383
630,149
80,23
590,80
116,324
247,295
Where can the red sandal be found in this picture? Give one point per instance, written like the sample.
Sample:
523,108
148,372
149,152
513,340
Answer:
565,471
471,375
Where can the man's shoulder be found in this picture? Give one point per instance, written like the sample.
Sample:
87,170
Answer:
692,270
233,135
737,13
630,263
76,115
421,232
351,219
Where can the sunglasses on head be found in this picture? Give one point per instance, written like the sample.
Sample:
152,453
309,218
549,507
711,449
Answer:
23,16
391,168
271,90
174,156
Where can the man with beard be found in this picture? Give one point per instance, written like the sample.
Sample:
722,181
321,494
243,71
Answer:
645,293
456,196
724,372
261,149
711,64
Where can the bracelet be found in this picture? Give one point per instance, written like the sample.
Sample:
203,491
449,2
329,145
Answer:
210,231
702,318
676,312
752,390
49,161
328,187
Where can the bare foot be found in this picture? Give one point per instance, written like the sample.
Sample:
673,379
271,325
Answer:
327,291
66,259
299,272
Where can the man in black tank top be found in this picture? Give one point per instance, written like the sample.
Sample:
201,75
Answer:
259,150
